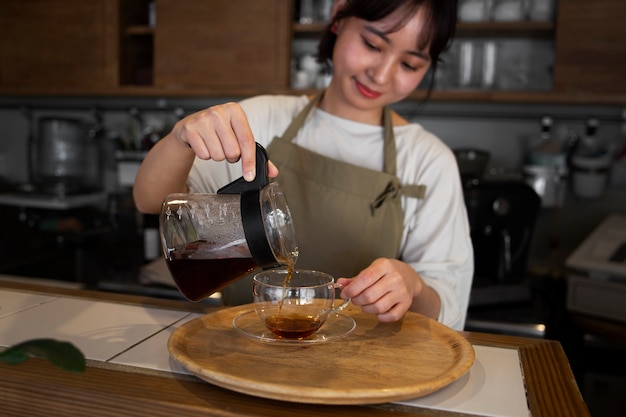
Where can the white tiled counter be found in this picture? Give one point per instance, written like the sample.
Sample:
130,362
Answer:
135,335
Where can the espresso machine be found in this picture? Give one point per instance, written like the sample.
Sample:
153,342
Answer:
502,214
502,217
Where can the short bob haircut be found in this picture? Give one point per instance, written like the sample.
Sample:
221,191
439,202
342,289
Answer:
440,24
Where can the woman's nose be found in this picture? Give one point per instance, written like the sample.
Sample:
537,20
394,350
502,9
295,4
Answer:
381,71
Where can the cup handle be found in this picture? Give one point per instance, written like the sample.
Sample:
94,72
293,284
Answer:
343,305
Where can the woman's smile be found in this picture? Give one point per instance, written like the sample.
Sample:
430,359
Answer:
365,91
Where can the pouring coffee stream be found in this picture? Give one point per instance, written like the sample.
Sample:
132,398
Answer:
212,240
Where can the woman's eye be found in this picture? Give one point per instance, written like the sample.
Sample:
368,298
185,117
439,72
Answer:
370,45
409,67
414,65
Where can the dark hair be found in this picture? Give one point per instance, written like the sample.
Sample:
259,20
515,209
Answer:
440,24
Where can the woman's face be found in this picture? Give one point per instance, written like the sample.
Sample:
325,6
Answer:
375,66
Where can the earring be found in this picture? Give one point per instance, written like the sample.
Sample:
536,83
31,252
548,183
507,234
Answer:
334,27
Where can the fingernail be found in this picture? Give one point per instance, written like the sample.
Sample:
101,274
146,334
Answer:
248,175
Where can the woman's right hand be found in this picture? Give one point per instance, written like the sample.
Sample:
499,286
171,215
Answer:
222,132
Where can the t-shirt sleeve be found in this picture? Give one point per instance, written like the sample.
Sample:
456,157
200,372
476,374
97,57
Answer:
437,240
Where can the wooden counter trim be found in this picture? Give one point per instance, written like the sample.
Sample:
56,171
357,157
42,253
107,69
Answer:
107,296
38,388
551,388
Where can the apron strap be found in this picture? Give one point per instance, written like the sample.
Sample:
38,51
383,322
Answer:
394,188
389,148
390,143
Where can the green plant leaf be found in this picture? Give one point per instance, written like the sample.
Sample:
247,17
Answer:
62,354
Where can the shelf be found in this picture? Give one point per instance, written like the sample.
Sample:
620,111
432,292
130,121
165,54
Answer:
500,29
522,97
312,28
507,29
139,30
475,96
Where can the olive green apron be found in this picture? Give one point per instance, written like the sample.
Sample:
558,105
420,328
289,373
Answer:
345,216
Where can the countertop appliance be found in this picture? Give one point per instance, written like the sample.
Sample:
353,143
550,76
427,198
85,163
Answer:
502,216
597,285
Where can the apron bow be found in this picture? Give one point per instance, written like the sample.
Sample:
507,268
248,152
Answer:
393,190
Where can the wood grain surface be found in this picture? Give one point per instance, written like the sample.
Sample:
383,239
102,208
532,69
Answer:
376,363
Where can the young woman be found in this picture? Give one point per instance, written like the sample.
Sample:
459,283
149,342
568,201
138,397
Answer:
376,200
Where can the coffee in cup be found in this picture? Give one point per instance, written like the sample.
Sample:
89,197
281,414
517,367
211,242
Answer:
294,304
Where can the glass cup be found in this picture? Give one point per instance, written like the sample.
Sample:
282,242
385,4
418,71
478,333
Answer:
296,306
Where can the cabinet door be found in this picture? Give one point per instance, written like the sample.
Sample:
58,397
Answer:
591,47
222,44
57,45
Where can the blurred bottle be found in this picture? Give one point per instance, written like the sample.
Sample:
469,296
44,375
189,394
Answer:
547,142
474,10
509,10
134,129
546,167
324,9
591,164
541,10
151,243
306,12
589,145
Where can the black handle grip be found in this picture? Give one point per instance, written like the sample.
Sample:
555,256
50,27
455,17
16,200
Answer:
240,185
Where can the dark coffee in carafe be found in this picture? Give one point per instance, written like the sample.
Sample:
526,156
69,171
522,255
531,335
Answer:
212,240
197,279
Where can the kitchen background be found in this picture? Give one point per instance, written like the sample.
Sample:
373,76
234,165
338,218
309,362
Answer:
535,85
507,131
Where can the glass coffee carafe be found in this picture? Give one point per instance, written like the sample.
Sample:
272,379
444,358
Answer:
212,240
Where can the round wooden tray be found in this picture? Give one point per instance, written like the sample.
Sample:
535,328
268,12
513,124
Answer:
376,363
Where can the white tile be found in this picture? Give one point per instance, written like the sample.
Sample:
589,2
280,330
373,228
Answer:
494,387
153,353
14,301
99,329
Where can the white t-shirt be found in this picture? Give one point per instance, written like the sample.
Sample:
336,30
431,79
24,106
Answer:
436,237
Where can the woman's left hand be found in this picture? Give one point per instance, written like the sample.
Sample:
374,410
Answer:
389,288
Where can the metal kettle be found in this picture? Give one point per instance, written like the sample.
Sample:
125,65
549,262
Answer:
62,156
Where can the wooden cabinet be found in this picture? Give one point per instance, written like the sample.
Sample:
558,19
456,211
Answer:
210,47
136,49
108,47
591,47
222,45
59,46
244,47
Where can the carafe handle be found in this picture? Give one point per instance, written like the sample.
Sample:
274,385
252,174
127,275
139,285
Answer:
240,185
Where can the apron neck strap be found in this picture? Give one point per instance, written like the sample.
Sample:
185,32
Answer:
389,149
390,143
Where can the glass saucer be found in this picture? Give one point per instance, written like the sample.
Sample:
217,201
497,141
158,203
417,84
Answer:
336,327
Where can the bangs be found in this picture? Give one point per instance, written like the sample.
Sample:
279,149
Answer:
400,12
429,28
